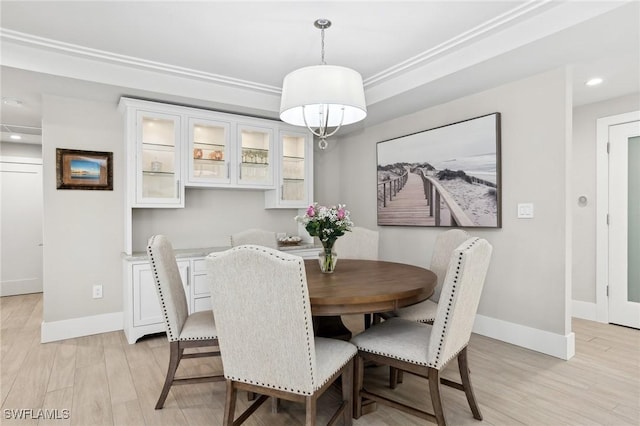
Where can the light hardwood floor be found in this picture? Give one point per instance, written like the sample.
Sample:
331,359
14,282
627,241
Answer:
102,380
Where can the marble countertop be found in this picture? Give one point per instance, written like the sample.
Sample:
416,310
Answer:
202,252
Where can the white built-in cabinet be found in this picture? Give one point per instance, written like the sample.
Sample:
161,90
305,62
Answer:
142,312
170,147
294,167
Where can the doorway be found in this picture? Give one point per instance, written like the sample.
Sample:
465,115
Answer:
21,226
618,241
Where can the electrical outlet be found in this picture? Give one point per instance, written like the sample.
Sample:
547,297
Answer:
97,291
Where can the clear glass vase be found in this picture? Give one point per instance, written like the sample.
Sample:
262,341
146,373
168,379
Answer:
328,259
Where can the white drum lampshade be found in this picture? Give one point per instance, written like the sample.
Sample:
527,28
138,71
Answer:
314,91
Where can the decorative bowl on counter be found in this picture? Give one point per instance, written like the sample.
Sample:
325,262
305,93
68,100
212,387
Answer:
292,240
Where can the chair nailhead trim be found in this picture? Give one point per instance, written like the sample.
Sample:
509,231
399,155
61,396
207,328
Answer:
307,317
156,278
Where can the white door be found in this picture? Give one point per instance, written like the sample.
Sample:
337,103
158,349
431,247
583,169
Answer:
20,228
624,224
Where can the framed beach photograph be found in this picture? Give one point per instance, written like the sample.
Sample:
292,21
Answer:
448,176
84,169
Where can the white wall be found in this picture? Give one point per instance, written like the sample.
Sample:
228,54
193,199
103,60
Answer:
210,216
527,282
83,230
26,150
584,183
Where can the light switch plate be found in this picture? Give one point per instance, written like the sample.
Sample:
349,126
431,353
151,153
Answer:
525,211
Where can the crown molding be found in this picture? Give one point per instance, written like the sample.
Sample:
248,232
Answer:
445,47
114,58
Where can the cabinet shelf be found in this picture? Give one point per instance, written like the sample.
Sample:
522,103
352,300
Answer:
289,157
158,146
293,179
245,163
209,144
207,161
152,173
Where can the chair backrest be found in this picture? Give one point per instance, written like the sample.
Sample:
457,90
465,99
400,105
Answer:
254,236
359,243
166,275
263,318
445,244
459,302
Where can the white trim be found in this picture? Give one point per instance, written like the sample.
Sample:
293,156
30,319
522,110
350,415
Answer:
83,326
584,310
20,160
115,58
22,286
602,208
553,344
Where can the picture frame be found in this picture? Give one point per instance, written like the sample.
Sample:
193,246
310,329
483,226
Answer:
87,170
447,176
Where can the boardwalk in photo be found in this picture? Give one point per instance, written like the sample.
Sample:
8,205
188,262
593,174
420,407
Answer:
409,207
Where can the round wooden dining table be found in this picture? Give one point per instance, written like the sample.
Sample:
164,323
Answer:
362,287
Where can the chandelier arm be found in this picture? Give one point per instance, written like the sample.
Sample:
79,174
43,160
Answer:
306,123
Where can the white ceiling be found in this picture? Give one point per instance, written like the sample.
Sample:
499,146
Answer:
233,55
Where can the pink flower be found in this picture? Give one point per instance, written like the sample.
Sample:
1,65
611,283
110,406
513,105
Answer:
311,212
340,213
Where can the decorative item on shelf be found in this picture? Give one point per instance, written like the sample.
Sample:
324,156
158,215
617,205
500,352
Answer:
197,153
156,166
219,155
326,223
322,96
291,240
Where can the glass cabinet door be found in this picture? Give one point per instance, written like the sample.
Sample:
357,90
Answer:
208,153
294,163
158,164
255,156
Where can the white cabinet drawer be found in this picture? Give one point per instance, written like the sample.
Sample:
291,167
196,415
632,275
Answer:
200,285
200,266
202,304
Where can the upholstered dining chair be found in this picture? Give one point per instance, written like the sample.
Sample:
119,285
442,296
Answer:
359,243
425,349
183,330
278,357
255,236
446,243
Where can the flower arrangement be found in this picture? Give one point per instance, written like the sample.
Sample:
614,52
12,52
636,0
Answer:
326,223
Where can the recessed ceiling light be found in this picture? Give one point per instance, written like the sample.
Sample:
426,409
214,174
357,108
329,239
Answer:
594,81
16,137
12,102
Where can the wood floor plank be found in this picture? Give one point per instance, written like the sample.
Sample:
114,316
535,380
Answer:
57,404
128,413
91,396
64,366
118,373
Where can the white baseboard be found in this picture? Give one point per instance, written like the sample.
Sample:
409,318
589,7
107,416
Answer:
84,326
15,287
584,310
531,338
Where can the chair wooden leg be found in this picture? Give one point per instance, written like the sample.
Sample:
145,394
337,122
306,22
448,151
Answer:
463,365
311,408
229,404
357,386
436,401
275,405
393,377
175,353
347,393
367,321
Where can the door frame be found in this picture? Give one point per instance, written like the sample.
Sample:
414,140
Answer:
602,208
30,161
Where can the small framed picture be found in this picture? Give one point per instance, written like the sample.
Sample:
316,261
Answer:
84,169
